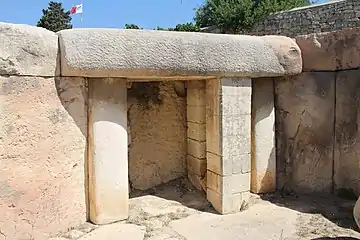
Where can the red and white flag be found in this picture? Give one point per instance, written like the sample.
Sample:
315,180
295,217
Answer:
76,9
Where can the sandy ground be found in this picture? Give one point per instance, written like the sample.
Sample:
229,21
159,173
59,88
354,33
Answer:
177,211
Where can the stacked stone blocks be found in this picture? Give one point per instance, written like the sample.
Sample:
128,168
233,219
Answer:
228,109
196,138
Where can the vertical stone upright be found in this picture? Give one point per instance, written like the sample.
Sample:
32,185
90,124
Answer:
263,160
228,143
196,144
108,151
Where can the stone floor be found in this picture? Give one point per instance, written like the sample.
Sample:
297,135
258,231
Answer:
176,211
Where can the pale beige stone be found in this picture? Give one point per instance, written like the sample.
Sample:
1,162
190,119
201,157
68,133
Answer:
196,131
196,114
161,131
196,93
213,134
27,50
330,51
108,156
43,124
228,185
226,204
196,148
263,162
116,231
140,53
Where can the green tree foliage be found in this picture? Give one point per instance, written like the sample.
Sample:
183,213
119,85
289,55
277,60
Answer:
186,27
233,16
55,18
132,26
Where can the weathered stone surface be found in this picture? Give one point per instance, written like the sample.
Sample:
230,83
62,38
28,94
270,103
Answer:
228,143
356,212
305,126
135,53
249,224
116,231
330,51
263,162
27,50
347,133
161,131
108,151
42,149
330,16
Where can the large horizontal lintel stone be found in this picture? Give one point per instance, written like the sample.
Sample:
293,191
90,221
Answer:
28,51
330,51
129,53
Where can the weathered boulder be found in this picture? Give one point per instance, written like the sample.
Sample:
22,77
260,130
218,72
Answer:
27,50
139,53
330,51
356,212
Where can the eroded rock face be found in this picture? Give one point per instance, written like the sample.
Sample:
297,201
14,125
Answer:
356,212
27,50
330,51
157,153
42,149
305,126
347,132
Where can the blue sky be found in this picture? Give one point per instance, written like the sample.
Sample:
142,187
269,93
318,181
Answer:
107,13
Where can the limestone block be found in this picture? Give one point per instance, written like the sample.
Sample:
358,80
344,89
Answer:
196,166
27,50
159,130
226,204
347,135
228,144
227,185
330,51
140,53
43,131
356,212
108,151
263,162
196,148
195,180
227,129
116,231
196,114
305,125
196,93
196,131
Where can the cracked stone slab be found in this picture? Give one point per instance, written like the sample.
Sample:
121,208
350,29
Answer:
116,231
27,50
144,53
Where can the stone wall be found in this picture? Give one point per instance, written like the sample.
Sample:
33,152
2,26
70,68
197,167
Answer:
160,129
64,120
196,137
317,117
331,16
43,131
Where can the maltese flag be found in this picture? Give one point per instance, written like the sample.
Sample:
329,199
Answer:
76,9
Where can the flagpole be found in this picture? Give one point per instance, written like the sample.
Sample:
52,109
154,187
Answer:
81,17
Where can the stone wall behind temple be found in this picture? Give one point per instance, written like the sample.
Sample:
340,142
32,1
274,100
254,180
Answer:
331,16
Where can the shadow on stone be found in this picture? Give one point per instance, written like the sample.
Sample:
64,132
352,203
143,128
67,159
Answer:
333,208
179,190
